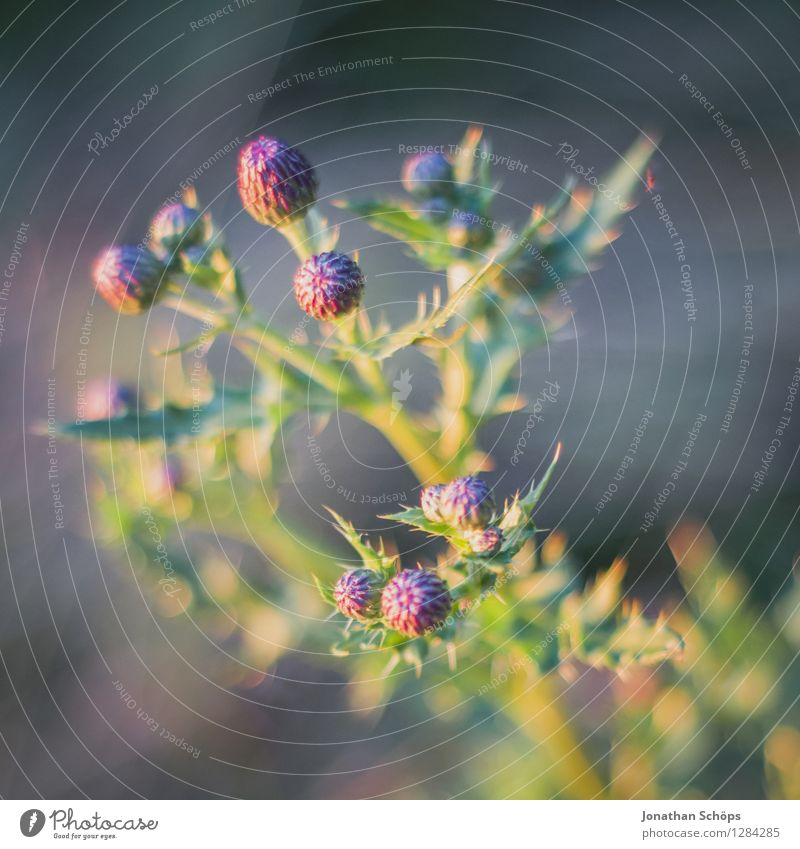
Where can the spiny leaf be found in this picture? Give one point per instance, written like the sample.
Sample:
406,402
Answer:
393,218
199,341
227,411
518,517
325,591
372,559
602,596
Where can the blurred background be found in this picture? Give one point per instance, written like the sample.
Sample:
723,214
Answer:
690,323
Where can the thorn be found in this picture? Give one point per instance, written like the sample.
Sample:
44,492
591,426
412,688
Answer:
568,672
393,661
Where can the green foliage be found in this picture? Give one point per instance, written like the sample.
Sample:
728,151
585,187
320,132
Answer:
229,410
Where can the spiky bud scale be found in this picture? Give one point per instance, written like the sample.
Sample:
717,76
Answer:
128,278
357,594
277,184
485,542
328,285
415,601
467,503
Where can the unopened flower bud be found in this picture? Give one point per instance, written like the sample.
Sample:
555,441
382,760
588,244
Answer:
128,277
358,594
108,399
429,500
466,503
415,601
178,227
276,182
487,542
427,175
329,285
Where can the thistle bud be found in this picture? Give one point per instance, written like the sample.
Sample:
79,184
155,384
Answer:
358,594
415,601
430,500
329,285
485,543
466,503
427,175
107,399
276,182
178,227
128,277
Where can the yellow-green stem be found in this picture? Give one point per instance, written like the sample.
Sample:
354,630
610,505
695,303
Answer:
536,709
303,359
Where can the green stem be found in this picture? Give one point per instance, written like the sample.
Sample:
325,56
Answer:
304,360
414,446
535,709
187,305
298,236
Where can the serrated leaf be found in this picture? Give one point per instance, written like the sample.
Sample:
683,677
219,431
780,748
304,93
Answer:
228,411
615,642
325,591
372,559
517,522
199,341
393,218
602,596
639,640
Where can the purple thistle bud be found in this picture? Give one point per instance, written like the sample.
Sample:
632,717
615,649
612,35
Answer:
108,399
128,277
415,601
487,542
427,175
173,474
329,285
276,182
429,500
467,503
178,227
358,594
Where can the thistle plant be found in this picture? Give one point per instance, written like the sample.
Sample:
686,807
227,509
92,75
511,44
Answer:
490,595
